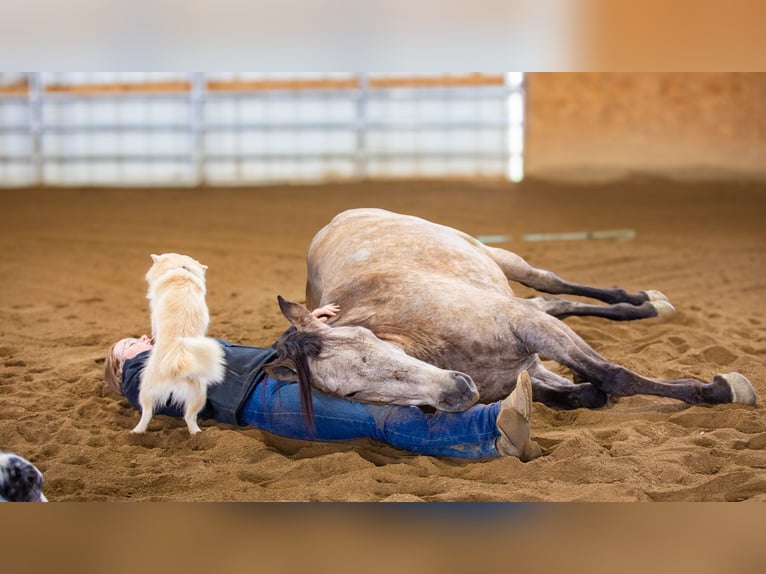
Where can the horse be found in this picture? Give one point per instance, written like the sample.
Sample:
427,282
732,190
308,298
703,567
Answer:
440,296
350,361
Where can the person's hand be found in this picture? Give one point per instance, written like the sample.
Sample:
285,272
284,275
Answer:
324,313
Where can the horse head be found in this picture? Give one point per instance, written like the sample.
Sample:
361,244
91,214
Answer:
351,362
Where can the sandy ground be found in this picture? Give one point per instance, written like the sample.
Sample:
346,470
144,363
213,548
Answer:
72,263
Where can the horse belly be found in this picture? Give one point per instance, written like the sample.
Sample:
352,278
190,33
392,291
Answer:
472,335
487,349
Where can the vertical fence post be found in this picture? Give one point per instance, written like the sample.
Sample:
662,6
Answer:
361,126
197,120
515,121
508,131
35,93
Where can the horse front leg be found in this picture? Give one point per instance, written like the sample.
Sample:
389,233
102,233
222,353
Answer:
558,392
549,336
516,268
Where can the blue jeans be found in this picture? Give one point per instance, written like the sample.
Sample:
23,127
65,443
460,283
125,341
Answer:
275,406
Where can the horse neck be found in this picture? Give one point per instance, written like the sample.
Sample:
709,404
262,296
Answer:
416,342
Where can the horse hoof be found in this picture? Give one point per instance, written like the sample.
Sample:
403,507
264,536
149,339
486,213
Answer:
663,307
654,295
741,390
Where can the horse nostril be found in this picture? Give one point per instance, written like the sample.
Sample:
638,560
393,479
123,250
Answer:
464,383
461,395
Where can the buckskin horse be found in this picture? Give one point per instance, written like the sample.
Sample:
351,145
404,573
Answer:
441,296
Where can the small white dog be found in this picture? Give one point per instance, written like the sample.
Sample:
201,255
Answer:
183,362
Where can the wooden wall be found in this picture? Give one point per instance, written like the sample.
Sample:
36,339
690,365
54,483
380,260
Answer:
592,126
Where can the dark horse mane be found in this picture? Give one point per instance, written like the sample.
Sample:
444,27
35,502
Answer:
297,347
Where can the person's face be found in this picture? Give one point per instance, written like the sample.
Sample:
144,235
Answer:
128,348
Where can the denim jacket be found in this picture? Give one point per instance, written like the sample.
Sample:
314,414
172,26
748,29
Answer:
244,370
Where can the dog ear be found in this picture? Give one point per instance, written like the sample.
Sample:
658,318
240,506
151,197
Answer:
155,258
283,370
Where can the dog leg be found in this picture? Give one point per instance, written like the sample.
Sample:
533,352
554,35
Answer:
147,410
193,407
146,416
191,422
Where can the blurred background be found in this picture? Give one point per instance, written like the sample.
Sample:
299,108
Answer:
249,128
224,128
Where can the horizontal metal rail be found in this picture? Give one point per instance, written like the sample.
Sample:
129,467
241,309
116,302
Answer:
266,156
376,125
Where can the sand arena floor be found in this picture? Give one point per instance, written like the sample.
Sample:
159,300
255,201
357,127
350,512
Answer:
72,263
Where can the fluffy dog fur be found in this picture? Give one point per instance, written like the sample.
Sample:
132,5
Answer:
183,362
20,481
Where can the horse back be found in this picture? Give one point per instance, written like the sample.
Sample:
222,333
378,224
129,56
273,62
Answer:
381,250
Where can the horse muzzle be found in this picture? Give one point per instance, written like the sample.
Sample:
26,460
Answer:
460,395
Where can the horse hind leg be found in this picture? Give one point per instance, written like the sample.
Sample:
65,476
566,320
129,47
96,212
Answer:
741,389
562,308
516,268
551,337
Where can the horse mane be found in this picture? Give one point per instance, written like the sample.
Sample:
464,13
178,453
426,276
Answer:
298,347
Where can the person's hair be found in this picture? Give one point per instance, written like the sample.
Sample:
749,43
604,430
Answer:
113,371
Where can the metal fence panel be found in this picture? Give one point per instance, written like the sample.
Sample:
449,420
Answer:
249,128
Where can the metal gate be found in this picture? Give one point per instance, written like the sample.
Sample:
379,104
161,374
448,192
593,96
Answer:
249,128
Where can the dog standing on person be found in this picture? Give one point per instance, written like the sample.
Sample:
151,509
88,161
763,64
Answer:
183,362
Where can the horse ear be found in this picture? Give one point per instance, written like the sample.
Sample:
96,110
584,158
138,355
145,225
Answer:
299,316
284,370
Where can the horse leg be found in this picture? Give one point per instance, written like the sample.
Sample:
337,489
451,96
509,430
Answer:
562,308
551,337
517,269
556,391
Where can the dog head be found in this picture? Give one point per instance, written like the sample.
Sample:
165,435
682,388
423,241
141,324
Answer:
167,262
20,481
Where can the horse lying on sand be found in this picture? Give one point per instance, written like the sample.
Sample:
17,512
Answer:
350,361
440,296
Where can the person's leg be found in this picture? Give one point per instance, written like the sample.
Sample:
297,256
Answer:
513,422
274,406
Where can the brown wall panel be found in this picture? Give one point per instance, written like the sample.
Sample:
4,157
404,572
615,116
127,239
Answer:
604,125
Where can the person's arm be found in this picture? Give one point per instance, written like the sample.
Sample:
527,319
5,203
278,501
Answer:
325,312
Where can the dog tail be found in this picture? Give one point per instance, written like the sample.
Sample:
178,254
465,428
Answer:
201,358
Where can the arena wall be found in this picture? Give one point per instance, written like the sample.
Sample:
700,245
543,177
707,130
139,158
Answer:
591,126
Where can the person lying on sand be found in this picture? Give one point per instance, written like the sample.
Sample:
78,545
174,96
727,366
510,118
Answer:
249,397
